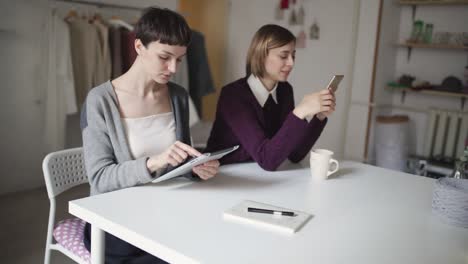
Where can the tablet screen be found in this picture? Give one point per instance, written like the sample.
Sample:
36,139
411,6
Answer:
187,166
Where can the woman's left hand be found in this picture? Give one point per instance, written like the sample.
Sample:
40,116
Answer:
332,104
207,170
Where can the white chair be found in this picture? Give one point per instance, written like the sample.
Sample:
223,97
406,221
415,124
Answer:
62,171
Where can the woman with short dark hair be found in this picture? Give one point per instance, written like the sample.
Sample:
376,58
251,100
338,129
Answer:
257,112
136,128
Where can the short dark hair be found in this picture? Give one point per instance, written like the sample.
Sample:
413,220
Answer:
163,25
266,38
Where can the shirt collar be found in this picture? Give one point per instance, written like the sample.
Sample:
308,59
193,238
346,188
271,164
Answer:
259,90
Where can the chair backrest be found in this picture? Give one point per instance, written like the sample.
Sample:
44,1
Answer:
63,170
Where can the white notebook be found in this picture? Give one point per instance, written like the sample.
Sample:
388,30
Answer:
280,223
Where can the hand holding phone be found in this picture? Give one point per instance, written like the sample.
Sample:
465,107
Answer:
333,84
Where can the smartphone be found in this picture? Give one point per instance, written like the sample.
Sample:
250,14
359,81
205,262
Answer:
333,84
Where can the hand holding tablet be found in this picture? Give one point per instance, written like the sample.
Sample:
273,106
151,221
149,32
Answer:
189,164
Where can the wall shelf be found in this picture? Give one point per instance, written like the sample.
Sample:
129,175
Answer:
434,2
432,46
410,47
404,90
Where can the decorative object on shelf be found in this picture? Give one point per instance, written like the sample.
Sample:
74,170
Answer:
461,166
314,32
300,15
279,12
284,4
292,17
301,40
427,37
450,201
441,37
416,33
450,84
419,84
406,80
456,38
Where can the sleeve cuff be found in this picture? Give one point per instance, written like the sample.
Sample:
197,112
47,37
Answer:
143,174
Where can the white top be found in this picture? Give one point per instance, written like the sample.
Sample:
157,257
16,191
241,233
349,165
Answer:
149,135
260,91
364,214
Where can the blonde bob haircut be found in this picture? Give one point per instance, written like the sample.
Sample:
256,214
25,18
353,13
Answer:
266,38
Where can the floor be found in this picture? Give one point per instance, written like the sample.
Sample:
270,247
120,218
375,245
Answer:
24,224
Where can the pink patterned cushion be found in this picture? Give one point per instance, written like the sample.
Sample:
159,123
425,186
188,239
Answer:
69,234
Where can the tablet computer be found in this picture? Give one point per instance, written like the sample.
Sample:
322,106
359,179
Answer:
189,164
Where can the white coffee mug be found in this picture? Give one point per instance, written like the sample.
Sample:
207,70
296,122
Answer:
321,163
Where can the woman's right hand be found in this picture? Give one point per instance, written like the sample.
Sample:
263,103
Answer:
314,103
174,155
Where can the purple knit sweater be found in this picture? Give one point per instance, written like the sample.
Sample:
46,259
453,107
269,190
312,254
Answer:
240,120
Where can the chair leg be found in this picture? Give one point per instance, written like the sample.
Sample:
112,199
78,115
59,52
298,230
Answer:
47,255
50,230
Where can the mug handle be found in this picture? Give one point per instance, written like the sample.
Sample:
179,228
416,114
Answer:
337,166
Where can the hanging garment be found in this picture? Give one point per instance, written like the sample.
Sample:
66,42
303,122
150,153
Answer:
300,15
60,98
128,49
104,72
301,40
279,12
85,56
115,45
181,77
200,81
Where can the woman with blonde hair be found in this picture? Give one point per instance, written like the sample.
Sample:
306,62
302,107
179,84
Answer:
257,112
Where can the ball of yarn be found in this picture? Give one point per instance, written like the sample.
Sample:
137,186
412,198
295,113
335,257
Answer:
450,201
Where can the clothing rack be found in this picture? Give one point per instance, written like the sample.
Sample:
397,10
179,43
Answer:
101,4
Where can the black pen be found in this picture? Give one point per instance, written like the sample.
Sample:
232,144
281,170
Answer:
268,211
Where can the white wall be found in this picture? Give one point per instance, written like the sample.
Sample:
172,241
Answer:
385,66
22,74
24,42
332,54
362,80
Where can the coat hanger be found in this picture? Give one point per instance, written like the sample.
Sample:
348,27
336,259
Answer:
119,22
71,14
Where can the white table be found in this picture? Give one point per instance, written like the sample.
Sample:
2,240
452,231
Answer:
363,215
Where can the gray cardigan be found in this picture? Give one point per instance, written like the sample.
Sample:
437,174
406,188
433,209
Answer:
107,157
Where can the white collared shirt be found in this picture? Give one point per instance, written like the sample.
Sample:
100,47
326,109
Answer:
260,91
